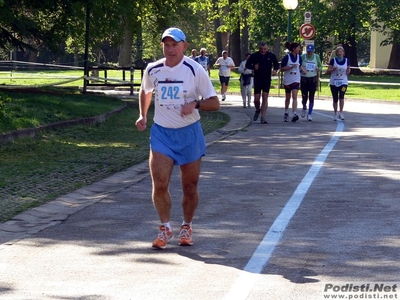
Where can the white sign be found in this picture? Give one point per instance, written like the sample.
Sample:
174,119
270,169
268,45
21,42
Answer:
308,42
307,17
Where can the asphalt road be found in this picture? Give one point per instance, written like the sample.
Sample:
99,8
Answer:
305,210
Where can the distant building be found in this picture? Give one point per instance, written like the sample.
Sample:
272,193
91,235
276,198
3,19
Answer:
379,55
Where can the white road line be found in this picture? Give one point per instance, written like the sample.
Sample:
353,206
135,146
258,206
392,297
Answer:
245,282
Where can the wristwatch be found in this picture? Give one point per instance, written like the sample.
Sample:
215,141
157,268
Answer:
197,104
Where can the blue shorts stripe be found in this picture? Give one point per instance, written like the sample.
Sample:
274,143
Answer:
183,145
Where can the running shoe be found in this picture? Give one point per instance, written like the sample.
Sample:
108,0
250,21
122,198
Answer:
340,116
256,114
309,118
223,97
185,236
335,116
263,121
164,236
303,112
286,117
295,118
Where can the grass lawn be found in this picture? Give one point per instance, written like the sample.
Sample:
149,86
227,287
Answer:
359,90
64,78
19,110
36,170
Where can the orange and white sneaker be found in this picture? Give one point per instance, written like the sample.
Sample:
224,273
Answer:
185,236
164,236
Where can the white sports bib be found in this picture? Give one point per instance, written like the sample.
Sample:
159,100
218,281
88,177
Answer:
170,93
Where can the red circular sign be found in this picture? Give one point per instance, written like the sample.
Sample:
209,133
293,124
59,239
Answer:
307,31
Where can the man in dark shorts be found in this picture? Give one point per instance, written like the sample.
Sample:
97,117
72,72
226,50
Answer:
265,64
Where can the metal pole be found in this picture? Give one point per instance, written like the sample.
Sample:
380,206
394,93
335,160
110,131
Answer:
289,26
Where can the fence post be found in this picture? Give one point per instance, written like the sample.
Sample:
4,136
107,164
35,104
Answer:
132,71
85,80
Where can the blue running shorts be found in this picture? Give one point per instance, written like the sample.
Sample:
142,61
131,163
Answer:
183,145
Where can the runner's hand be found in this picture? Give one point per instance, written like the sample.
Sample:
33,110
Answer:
188,108
141,123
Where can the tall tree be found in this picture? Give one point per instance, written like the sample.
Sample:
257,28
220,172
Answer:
351,23
269,26
136,26
394,62
217,25
386,16
130,26
234,40
31,24
244,32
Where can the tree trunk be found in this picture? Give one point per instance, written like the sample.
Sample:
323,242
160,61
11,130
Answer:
350,49
32,59
234,40
218,36
235,46
139,47
76,58
245,34
277,48
394,61
125,53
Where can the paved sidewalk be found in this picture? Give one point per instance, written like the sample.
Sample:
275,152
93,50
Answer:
288,211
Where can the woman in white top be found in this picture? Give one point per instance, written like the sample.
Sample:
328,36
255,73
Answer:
291,66
339,68
246,81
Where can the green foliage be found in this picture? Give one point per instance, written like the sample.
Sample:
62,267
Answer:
33,24
105,22
159,15
387,16
270,24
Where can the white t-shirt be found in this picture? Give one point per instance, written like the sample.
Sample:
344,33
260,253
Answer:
223,66
175,86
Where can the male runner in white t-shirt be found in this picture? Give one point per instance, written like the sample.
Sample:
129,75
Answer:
176,137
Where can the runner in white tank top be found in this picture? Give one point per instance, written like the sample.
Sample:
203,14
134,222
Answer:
291,66
339,68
